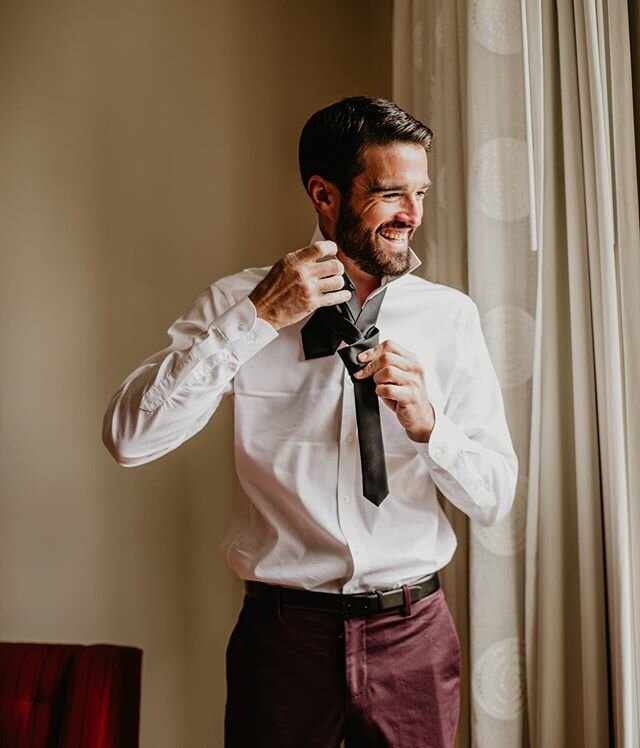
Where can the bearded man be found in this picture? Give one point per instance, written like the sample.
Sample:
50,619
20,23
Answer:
358,389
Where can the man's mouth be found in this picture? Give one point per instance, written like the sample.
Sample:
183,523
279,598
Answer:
394,235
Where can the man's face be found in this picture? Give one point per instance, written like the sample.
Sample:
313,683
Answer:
376,224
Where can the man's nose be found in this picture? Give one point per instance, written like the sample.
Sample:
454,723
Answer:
411,210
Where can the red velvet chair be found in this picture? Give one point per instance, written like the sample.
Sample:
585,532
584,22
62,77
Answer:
69,696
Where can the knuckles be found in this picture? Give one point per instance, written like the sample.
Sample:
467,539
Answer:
383,390
288,261
299,274
335,267
385,374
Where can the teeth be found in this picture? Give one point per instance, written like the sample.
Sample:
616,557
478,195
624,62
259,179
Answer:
392,236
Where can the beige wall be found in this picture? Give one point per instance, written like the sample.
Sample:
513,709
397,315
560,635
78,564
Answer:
145,149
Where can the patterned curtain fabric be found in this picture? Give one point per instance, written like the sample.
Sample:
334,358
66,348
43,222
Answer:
458,66
534,149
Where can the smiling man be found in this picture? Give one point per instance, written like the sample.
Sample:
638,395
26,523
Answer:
358,389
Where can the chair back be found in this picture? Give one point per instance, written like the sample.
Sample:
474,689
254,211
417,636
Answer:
69,696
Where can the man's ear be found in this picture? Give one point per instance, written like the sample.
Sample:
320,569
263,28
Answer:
325,196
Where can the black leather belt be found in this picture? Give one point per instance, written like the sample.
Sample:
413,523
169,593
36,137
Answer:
348,606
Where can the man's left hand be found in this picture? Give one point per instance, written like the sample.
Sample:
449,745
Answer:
400,382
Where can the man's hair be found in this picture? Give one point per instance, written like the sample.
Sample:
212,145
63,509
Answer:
333,140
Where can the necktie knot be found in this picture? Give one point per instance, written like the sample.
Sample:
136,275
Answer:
321,336
349,354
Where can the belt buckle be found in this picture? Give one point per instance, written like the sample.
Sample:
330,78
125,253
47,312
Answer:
381,594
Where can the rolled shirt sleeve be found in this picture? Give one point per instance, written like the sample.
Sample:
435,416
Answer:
470,454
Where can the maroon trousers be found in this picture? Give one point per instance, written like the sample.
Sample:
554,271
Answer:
308,679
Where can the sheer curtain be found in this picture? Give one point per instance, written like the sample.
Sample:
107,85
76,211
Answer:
583,519
458,66
534,149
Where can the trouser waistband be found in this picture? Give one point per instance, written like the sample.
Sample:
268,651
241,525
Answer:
348,606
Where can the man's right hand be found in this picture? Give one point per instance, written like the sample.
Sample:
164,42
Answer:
300,283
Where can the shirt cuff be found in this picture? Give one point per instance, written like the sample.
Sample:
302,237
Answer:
243,331
443,447
458,481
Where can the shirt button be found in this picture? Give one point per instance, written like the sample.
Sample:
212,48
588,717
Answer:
346,498
348,439
436,452
251,337
242,326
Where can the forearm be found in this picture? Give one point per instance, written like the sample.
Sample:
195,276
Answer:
478,475
172,395
147,418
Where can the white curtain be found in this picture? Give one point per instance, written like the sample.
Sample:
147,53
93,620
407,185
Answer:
534,150
458,66
583,519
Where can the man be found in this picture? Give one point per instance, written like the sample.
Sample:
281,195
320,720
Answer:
344,632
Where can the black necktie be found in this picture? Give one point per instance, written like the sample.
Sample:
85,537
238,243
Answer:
321,336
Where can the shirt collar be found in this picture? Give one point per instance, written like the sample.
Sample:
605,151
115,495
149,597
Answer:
414,261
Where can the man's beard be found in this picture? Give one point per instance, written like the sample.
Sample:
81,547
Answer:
361,246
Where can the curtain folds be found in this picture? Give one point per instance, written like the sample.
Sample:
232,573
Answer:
459,67
582,571
531,102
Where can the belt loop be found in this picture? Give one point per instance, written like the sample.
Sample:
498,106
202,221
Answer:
406,594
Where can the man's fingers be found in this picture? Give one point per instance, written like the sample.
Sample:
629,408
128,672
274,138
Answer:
388,346
394,392
385,360
392,375
333,283
328,268
333,298
318,250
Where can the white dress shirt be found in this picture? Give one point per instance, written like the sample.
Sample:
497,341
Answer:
302,520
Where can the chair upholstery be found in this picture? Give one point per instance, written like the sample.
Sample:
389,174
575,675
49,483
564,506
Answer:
69,696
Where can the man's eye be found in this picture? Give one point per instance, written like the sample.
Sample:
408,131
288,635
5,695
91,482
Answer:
392,194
